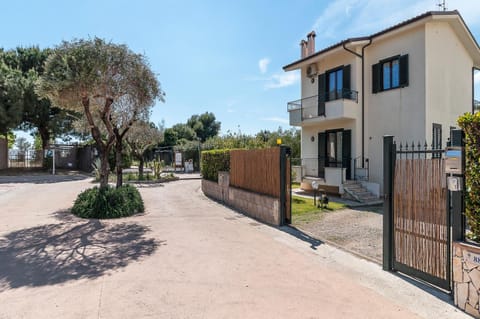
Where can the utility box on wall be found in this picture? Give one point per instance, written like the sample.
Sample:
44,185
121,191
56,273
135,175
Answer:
453,160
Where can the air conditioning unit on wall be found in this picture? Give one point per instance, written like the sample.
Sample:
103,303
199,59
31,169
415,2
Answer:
311,70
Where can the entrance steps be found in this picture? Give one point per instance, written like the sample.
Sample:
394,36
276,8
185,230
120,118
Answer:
355,191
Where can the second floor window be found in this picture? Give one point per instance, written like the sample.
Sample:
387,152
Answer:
335,84
390,74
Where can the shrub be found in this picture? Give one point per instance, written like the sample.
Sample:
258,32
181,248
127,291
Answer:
108,202
470,123
214,161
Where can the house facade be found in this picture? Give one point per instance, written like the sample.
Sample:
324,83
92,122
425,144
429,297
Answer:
412,81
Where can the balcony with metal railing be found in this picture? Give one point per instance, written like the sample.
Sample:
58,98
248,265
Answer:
334,105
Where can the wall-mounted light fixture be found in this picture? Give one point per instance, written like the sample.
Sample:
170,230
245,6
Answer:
312,138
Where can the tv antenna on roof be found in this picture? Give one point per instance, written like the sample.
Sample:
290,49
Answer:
442,5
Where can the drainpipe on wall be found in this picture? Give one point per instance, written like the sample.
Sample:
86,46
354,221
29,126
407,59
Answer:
473,88
361,56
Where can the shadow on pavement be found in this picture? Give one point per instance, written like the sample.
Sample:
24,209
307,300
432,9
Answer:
314,243
42,179
56,253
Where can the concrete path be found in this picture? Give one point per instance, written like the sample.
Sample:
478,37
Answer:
187,257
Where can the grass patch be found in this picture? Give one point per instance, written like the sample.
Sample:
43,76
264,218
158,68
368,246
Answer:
304,211
295,185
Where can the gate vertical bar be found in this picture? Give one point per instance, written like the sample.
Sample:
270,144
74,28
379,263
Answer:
388,175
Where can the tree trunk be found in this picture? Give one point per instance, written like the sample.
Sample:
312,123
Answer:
45,137
103,154
102,148
118,162
140,168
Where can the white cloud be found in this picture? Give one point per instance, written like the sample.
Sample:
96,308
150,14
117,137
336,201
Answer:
276,119
280,80
263,65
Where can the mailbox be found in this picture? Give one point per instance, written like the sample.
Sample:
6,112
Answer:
453,160
454,183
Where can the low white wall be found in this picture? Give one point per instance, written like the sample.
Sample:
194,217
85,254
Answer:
297,171
373,188
335,176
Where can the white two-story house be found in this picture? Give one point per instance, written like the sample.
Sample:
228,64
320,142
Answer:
412,81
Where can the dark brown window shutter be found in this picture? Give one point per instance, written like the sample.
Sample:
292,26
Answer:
376,78
404,70
322,154
321,94
346,82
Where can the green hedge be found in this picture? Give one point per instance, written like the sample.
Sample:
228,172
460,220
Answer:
108,202
470,123
214,161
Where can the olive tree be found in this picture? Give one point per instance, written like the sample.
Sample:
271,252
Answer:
112,86
142,137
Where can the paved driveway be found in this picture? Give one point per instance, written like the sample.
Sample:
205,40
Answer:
187,257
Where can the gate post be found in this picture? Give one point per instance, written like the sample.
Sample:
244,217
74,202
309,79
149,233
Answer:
388,175
284,152
456,199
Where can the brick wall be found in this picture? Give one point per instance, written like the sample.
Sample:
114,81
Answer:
3,153
262,207
466,277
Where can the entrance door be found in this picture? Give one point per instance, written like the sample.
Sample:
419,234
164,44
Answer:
334,150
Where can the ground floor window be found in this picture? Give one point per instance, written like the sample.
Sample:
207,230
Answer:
334,150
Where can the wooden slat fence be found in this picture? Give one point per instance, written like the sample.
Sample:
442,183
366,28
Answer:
256,170
420,216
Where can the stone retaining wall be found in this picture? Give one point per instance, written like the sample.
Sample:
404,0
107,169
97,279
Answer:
466,277
261,207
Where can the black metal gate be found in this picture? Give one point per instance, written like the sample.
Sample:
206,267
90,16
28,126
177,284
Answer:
417,239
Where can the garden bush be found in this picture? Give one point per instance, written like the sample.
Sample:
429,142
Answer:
108,202
470,123
214,161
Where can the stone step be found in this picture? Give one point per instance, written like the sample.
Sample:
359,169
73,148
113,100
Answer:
358,189
354,190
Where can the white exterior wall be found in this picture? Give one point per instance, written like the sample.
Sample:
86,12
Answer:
399,112
327,63
449,81
309,149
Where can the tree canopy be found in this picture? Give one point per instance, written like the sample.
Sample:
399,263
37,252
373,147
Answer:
36,113
204,125
104,81
10,98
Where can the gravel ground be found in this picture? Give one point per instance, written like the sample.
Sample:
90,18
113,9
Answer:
356,230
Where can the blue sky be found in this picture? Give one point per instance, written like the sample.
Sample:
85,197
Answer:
224,57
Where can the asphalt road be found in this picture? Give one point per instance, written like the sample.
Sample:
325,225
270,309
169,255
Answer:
186,257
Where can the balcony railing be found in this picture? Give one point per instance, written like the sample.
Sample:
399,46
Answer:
314,106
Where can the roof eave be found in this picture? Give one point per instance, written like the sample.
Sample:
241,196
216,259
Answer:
309,59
